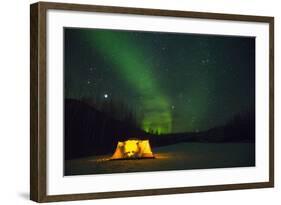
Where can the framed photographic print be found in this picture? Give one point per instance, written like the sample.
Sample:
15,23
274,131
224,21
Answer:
134,102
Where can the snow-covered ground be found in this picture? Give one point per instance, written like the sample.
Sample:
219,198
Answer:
173,157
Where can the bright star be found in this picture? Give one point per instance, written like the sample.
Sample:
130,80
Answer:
105,95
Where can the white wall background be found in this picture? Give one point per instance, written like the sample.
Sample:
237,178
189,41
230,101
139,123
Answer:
14,101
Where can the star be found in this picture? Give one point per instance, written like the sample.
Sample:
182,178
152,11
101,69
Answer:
105,95
88,82
205,61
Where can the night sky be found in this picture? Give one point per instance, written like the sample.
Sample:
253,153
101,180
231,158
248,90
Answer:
173,82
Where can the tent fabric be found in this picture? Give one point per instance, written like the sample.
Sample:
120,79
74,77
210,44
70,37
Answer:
133,149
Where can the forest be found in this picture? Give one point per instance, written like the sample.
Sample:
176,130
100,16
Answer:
92,128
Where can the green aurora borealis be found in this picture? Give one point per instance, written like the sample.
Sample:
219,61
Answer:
136,73
174,82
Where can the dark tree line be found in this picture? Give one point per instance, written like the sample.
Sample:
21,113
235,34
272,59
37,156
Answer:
92,128
115,109
89,130
241,128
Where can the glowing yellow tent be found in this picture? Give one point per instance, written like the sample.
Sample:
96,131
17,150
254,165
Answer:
133,149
